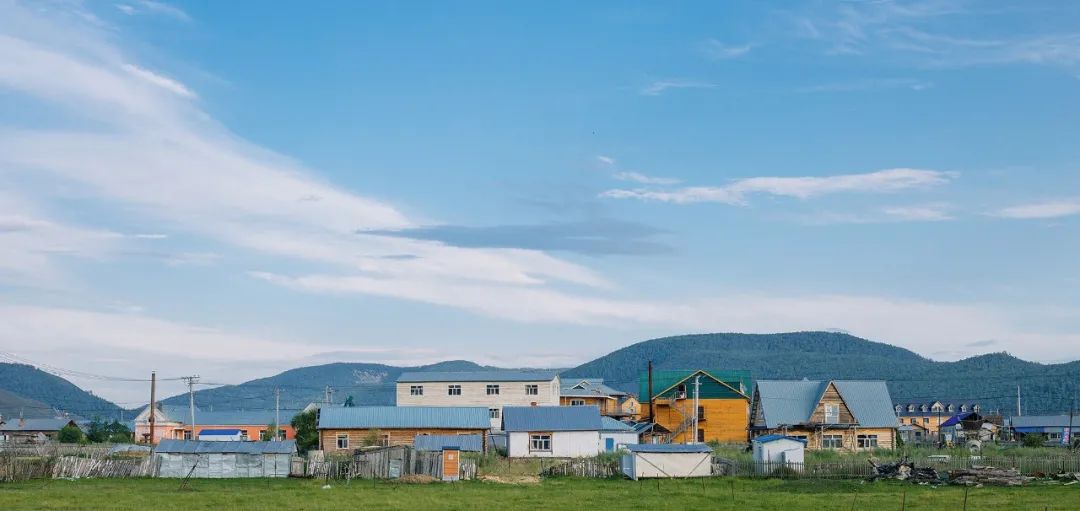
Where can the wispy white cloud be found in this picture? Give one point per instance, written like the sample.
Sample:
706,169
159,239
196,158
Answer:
735,193
923,213
720,51
661,86
638,177
870,84
161,81
135,7
1038,210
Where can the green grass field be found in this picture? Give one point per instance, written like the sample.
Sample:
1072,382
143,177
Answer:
575,494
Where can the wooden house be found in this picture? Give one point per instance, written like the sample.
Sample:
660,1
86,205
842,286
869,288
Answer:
31,431
723,405
848,415
346,429
552,431
490,389
593,392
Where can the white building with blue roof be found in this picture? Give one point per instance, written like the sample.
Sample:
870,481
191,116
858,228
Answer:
493,390
552,431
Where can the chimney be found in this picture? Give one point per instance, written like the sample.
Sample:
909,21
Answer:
22,422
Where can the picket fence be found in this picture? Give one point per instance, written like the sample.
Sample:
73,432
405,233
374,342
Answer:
20,468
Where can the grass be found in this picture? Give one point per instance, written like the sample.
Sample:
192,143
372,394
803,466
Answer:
560,493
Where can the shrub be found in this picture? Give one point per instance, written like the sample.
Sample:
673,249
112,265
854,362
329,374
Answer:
1033,440
71,434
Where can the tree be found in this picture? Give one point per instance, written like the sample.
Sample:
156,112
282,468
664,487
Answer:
99,431
70,434
307,432
270,433
1033,440
373,437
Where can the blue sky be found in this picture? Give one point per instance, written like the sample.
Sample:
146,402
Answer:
215,188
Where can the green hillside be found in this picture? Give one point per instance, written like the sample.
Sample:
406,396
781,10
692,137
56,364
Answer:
989,379
55,392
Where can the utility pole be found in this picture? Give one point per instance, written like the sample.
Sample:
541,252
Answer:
651,417
277,413
190,380
697,389
1018,412
153,403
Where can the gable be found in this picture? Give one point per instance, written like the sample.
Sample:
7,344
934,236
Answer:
714,384
831,396
786,403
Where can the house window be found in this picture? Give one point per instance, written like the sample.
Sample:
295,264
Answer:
243,435
936,408
493,413
577,402
385,440
898,408
700,413
701,435
453,390
923,408
832,442
867,441
540,442
1053,436
975,408
926,420
187,434
416,390
492,390
262,434
963,408
532,390
952,408
343,441
832,413
680,393
911,408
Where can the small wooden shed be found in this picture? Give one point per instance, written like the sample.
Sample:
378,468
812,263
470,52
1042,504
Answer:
667,460
220,460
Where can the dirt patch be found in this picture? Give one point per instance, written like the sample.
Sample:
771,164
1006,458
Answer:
417,479
511,479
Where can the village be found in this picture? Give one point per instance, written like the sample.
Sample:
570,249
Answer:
451,426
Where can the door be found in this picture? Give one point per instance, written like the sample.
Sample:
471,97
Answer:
609,444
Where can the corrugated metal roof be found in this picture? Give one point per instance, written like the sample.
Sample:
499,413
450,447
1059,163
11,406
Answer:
34,424
389,417
493,376
182,414
869,402
788,402
956,419
669,448
471,443
199,447
1043,421
792,402
610,424
764,439
588,387
666,379
551,418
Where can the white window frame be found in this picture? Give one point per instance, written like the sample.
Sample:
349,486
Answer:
577,402
867,441
493,413
416,390
827,441
450,390
492,389
342,441
244,435
835,413
537,441
532,390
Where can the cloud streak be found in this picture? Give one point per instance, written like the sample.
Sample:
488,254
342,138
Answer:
1041,210
737,192
659,87
717,50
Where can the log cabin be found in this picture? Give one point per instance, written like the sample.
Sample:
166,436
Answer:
723,409
842,415
346,429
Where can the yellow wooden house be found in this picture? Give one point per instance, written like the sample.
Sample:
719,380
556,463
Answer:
723,405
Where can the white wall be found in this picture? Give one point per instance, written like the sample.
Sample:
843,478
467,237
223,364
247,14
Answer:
564,444
775,454
621,438
474,393
668,464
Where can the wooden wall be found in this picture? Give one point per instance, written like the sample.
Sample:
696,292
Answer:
832,396
725,420
886,436
328,437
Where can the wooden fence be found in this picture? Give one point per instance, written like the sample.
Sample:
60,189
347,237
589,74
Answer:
584,467
21,468
860,468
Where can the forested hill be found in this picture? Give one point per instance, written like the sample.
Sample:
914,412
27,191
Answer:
989,379
39,387
368,384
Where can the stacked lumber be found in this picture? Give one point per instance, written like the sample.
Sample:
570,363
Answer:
904,470
978,475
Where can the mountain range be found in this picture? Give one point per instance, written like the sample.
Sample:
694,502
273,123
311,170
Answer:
990,380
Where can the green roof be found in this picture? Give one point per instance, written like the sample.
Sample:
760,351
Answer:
665,383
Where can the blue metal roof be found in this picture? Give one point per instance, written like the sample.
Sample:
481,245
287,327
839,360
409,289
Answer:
1043,421
793,402
471,443
34,424
389,417
588,387
610,424
669,448
956,419
551,418
201,447
764,439
182,414
462,376
221,432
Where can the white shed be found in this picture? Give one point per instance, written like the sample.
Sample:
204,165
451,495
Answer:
772,452
616,434
552,431
667,460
